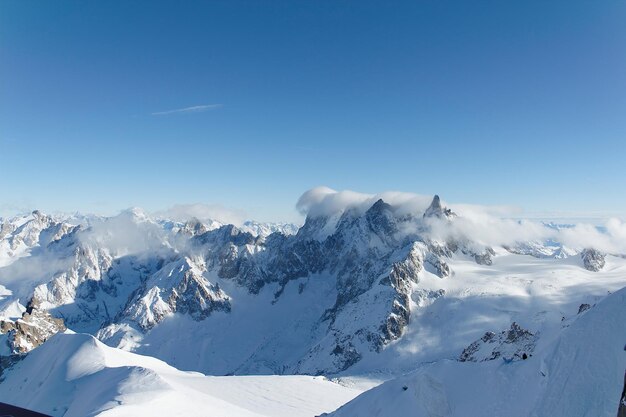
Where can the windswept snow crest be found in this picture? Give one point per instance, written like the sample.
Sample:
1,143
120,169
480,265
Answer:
76,375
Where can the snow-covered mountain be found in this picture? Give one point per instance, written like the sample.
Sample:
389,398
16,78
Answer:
370,289
576,370
76,375
265,229
20,234
120,277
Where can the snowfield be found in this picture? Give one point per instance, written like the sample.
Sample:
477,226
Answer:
76,375
537,293
579,373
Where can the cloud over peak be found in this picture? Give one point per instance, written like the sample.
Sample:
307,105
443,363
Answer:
218,212
324,201
488,225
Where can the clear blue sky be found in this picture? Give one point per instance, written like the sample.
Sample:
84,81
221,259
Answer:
490,102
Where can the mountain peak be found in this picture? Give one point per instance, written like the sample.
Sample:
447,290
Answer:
135,214
381,220
437,210
379,205
436,202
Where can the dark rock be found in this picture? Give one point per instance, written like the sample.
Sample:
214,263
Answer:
7,362
513,344
621,412
35,327
593,260
381,221
437,210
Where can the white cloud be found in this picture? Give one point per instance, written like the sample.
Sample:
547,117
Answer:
487,225
320,201
218,212
130,232
192,109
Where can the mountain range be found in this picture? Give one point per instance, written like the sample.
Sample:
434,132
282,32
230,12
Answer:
359,294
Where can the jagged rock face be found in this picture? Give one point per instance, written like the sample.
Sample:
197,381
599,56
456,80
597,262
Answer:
366,253
513,344
35,327
94,285
438,266
99,288
382,222
593,260
194,227
17,236
403,273
7,362
177,287
265,229
370,259
484,258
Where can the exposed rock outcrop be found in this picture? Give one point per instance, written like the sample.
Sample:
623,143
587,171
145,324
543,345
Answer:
593,260
177,287
35,327
513,344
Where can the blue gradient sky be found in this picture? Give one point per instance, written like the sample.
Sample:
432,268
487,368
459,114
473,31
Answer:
490,102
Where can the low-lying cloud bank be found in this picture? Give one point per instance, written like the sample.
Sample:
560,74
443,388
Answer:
488,225
217,212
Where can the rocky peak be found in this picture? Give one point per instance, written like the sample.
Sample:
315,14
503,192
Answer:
235,235
225,236
381,220
177,287
31,330
312,226
512,344
21,234
593,260
265,229
437,210
194,227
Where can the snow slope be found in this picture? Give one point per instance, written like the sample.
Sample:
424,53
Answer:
536,293
76,375
578,373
